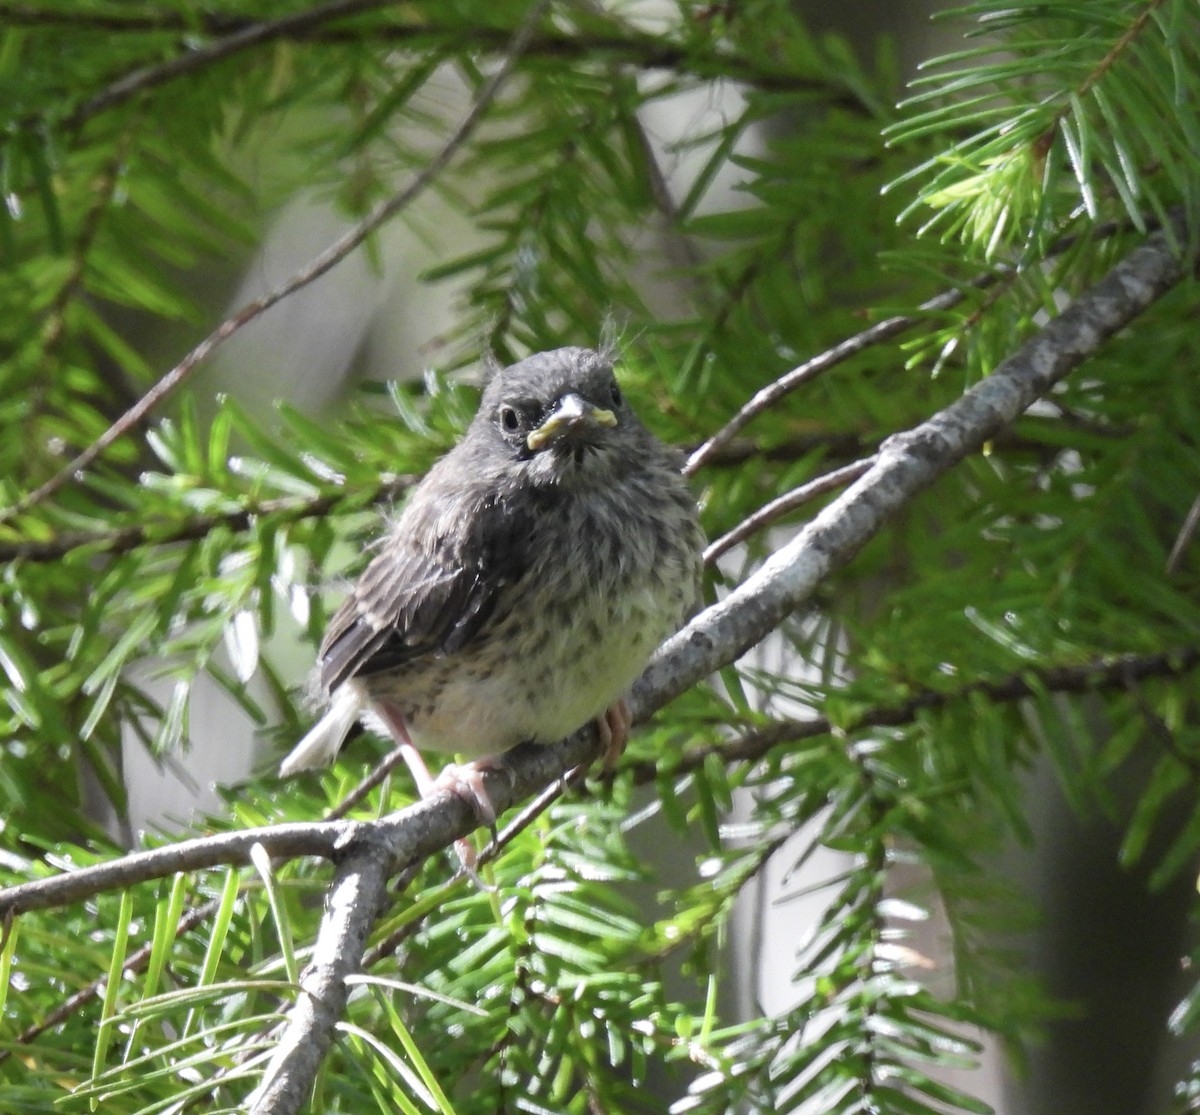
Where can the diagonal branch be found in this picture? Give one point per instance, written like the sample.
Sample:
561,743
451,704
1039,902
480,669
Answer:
908,463
764,399
785,504
879,333
905,465
191,60
369,852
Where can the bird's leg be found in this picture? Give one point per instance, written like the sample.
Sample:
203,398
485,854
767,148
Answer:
464,781
612,729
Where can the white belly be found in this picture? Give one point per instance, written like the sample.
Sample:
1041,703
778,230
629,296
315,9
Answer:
544,690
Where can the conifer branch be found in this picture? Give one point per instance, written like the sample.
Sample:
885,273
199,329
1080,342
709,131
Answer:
313,270
368,853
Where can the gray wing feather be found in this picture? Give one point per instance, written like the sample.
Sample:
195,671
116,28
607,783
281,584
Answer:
424,593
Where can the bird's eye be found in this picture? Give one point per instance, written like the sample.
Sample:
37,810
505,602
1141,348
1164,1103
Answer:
615,394
509,419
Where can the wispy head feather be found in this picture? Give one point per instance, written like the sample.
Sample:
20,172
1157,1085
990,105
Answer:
611,338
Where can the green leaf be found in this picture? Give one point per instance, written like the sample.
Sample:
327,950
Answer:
6,959
112,986
262,864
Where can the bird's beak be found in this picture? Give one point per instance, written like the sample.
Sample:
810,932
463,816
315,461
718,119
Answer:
569,414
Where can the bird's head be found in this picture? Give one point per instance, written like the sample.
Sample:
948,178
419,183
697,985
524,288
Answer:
558,419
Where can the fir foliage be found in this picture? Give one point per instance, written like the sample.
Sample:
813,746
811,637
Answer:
145,142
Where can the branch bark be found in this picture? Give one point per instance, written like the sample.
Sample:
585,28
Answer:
356,899
368,853
909,462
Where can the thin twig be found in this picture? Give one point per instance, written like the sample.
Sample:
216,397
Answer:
54,330
166,532
679,249
767,397
317,267
878,333
1140,22
528,814
908,463
134,962
1115,672
378,773
123,539
1184,539
193,59
784,504
644,50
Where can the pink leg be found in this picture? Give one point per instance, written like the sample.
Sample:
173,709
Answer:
464,781
612,728
467,782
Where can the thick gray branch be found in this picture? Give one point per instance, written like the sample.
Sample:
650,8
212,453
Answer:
359,895
408,835
906,464
370,852
355,901
321,838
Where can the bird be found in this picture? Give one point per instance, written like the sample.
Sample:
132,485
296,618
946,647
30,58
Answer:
524,585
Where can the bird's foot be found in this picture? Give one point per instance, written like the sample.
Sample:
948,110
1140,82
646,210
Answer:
466,781
612,729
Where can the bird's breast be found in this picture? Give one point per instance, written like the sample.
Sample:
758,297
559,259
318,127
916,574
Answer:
608,579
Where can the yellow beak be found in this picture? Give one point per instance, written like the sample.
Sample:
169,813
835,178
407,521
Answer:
570,413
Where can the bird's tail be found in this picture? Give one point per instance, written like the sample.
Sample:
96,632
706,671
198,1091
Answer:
324,741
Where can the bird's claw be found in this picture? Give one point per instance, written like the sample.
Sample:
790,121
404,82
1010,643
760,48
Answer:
612,729
466,782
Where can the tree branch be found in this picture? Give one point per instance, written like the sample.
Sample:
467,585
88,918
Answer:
369,852
909,462
784,504
317,267
879,333
1087,677
905,465
646,51
170,531
356,899
234,41
123,539
764,399
311,838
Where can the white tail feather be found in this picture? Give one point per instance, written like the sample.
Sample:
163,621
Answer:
321,745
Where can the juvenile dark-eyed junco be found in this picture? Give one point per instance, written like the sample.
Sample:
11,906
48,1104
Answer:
527,581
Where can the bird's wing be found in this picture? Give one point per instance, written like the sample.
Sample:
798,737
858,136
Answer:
423,594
